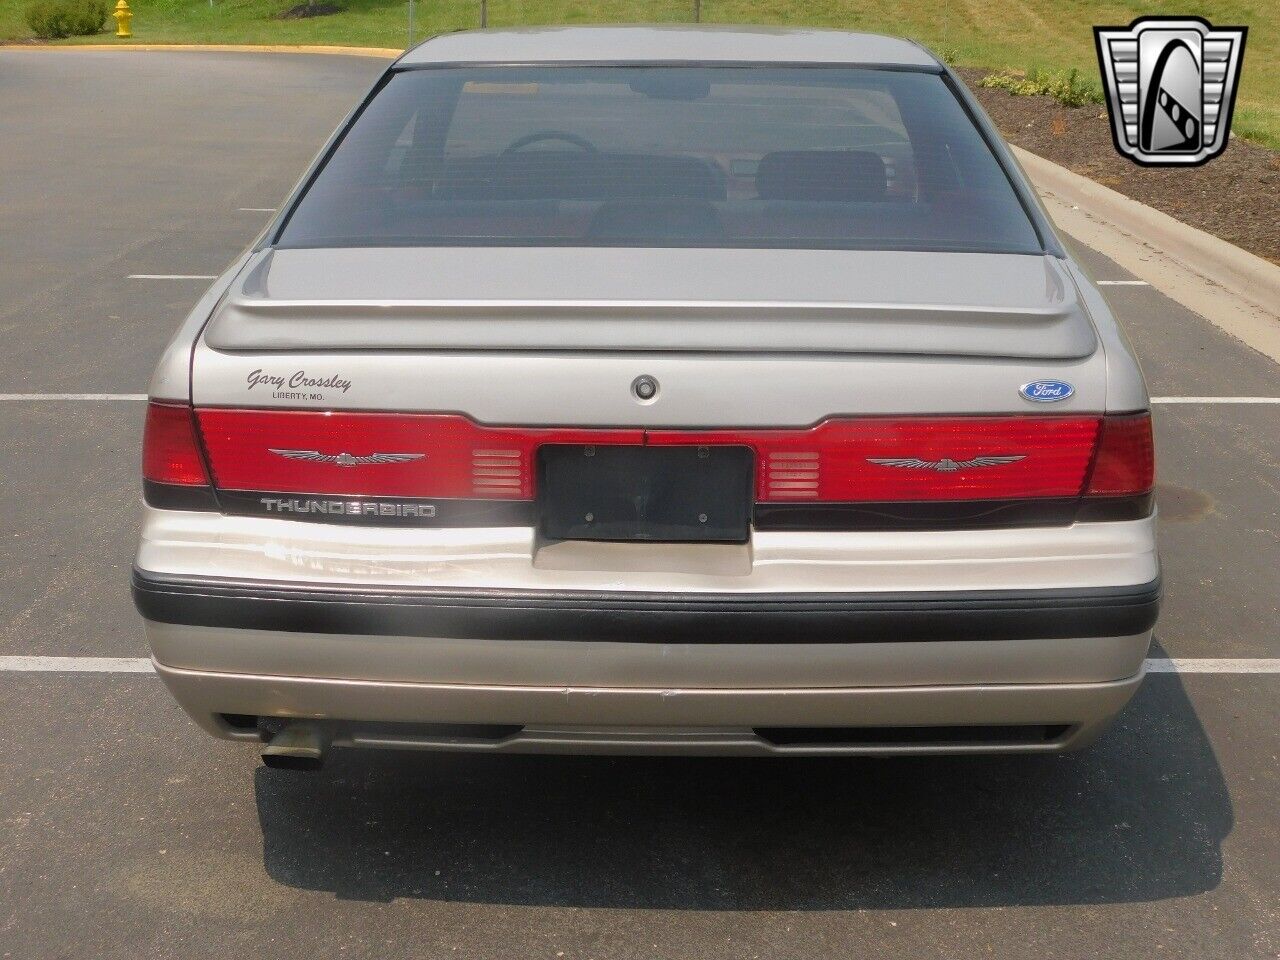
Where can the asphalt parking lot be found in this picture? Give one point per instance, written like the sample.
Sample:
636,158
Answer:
126,832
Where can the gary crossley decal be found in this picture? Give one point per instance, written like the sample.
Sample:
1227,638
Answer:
299,385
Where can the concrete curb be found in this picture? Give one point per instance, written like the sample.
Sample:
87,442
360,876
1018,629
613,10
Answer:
1230,287
1253,277
385,53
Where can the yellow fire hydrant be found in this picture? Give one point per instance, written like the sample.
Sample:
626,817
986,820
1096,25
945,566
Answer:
123,15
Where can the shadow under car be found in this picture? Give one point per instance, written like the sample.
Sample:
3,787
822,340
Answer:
1139,816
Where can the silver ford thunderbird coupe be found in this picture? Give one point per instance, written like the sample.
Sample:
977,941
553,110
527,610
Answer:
643,390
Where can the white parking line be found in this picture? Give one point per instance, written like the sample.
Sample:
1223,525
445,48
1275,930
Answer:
75,664
256,209
1122,283
173,276
72,396
143,665
1211,665
1215,399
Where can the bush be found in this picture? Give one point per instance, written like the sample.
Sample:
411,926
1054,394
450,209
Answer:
52,19
1069,89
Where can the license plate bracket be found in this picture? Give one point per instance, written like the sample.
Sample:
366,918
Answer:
675,494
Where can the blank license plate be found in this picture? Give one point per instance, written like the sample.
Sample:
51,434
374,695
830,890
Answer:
671,494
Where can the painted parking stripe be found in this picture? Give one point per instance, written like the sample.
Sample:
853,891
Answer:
75,664
1123,283
1211,665
173,276
72,396
12,664
256,209
1215,399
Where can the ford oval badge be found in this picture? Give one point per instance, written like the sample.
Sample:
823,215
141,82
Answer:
1046,391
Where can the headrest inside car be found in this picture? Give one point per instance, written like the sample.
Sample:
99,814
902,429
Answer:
828,175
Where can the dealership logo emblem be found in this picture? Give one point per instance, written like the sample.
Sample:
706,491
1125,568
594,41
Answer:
346,459
945,465
1171,86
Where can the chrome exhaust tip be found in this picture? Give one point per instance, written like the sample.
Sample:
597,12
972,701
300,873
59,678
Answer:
298,746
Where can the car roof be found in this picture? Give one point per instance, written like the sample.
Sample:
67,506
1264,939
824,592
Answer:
669,44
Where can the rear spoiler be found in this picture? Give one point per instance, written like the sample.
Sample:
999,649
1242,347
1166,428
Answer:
1050,324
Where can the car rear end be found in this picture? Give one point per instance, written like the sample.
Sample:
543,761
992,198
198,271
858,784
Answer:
770,421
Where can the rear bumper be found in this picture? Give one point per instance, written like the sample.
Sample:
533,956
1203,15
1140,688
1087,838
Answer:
972,719
611,673
639,617
252,618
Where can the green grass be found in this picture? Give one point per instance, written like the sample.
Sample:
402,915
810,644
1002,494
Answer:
1043,36
1069,88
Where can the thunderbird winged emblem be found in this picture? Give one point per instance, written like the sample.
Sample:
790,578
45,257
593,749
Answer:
346,459
945,465
1171,86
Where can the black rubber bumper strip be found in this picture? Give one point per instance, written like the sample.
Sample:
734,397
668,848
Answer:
650,617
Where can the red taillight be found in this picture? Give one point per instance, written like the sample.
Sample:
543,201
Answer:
434,455
170,450
1125,461
838,461
882,460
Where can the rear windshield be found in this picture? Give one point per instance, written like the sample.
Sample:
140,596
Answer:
663,156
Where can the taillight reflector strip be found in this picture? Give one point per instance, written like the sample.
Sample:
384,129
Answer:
1125,462
460,458
497,471
841,460
170,449
789,475
934,458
